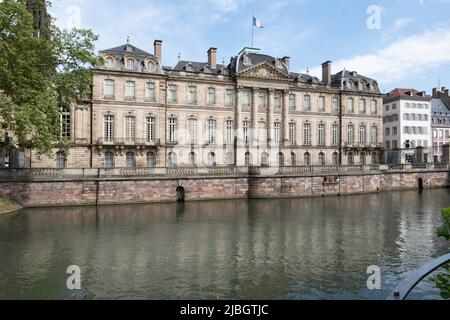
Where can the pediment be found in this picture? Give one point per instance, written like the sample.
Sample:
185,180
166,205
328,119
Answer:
264,71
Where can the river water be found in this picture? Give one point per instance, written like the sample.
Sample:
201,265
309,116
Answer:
313,248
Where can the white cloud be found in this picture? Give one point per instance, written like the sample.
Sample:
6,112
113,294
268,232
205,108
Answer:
402,23
403,59
228,5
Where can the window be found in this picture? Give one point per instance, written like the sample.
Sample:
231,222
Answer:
394,106
192,161
229,132
394,144
151,160
387,132
130,64
264,159
350,159
350,108
66,123
280,159
130,160
211,99
335,104
388,144
129,90
362,106
172,160
321,104
246,98
292,102
229,159
335,159
211,131
192,95
292,133
277,101
191,127
108,89
293,159
362,135
109,62
60,160
307,103
245,127
108,128
262,100
247,60
306,134
335,134
248,159
406,116
277,132
172,130
374,157
386,107
229,97
350,134
374,107
321,159
109,160
321,134
172,94
150,129
262,133
130,128
362,158
394,131
150,92
211,159
307,159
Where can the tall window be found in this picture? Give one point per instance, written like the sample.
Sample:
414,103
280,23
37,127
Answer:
321,134
321,159
307,159
307,103
172,98
130,128
192,161
211,159
362,135
211,99
108,89
292,102
262,100
293,159
321,104
246,98
277,101
229,159
350,159
130,160
292,133
150,91
350,108
109,128
172,160
229,132
374,135
264,159
109,160
66,123
248,159
350,134
335,134
307,134
150,129
335,104
172,130
245,127
229,97
151,160
129,90
130,64
60,160
192,95
192,126
262,133
362,106
212,131
335,159
277,132
109,62
373,107
280,159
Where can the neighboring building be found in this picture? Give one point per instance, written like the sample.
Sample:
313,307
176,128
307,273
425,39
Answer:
440,122
252,111
407,126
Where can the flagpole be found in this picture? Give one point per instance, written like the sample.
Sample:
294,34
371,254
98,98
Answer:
253,25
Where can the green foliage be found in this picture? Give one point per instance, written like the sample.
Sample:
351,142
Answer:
40,74
442,280
444,231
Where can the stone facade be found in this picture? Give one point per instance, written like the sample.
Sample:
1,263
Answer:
440,123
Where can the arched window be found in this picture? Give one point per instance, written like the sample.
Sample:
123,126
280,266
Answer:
131,160
230,158
307,159
192,159
151,160
350,160
247,60
321,159
212,159
109,160
130,64
109,62
172,160
362,158
293,159
374,159
60,160
374,135
280,159
350,134
362,134
248,159
264,159
335,159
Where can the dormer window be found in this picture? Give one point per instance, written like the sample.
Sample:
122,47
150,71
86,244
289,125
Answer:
150,66
189,67
130,64
129,48
278,63
109,62
247,60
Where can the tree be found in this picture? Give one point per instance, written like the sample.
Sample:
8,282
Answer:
442,280
43,70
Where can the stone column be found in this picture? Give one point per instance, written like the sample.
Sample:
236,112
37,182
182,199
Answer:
285,117
270,103
254,124
237,116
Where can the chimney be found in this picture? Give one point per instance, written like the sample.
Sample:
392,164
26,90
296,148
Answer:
434,92
212,58
286,61
158,49
326,72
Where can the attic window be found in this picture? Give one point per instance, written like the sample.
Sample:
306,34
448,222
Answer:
278,63
129,48
189,67
247,60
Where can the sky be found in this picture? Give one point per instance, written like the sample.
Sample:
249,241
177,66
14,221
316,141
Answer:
400,43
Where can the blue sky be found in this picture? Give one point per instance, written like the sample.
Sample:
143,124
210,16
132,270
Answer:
409,46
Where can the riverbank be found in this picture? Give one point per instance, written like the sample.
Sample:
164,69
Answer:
9,206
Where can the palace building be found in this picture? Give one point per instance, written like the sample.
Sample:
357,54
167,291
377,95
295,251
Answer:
252,111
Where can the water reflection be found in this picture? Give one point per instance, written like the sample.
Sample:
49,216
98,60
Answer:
266,249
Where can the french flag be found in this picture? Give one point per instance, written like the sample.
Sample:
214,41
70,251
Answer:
257,23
